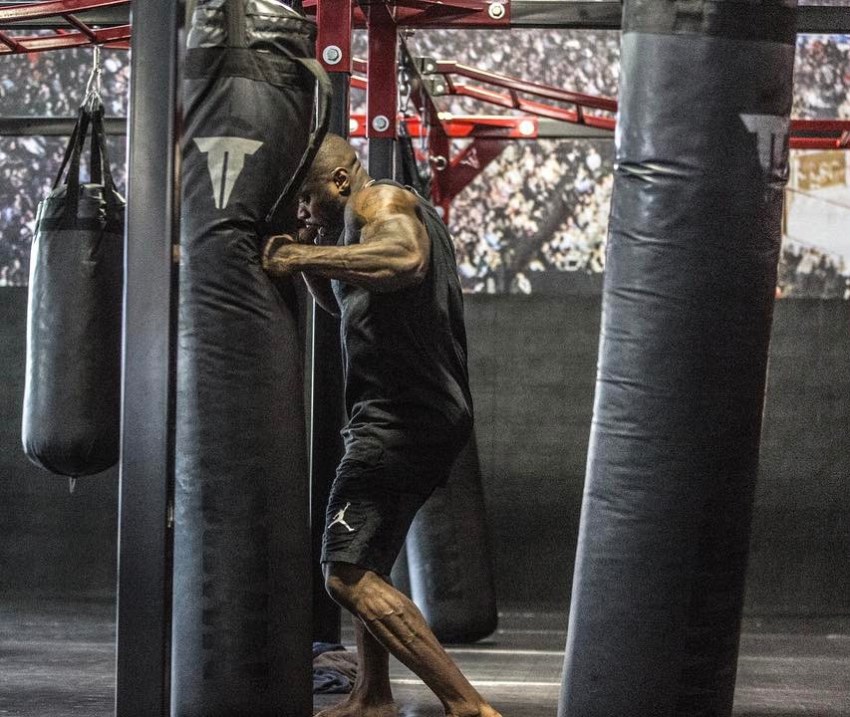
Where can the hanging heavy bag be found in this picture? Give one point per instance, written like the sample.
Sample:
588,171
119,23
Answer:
451,576
690,278
241,625
71,412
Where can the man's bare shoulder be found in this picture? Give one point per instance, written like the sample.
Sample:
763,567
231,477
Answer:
378,200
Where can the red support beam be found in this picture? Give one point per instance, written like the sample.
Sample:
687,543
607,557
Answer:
480,14
464,127
81,26
382,66
842,142
531,88
114,37
83,35
334,19
468,164
12,45
531,107
38,11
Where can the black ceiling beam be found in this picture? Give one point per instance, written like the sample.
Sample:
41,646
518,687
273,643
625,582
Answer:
600,15
556,129
103,17
53,126
607,15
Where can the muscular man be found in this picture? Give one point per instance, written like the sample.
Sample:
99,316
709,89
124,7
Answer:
380,257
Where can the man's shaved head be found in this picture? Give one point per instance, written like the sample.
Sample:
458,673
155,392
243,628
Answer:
334,177
334,152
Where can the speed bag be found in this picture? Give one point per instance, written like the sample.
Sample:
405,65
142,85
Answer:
71,411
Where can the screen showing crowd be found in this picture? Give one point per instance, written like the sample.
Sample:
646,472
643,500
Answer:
535,219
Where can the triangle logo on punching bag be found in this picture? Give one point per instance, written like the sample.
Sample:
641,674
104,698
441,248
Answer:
771,133
225,161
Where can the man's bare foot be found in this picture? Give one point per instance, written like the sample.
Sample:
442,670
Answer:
354,707
483,711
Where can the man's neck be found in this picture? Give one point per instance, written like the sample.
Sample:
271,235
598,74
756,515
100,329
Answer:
360,180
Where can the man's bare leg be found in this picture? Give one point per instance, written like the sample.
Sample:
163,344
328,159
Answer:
372,695
397,624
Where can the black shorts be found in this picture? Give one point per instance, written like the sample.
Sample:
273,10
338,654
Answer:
372,504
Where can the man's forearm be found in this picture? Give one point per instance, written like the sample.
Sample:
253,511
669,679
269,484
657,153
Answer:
377,266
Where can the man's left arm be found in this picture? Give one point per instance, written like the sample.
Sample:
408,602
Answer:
393,252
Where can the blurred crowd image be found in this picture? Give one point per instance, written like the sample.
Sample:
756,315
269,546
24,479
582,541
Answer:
540,208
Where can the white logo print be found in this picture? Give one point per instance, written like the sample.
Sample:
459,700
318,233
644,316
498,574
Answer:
772,132
225,162
340,518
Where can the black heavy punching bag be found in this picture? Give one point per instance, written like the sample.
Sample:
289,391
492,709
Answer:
451,577
72,391
701,160
241,626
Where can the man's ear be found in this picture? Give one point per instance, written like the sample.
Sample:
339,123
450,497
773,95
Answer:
342,179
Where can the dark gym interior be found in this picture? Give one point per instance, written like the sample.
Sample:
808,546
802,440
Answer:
534,357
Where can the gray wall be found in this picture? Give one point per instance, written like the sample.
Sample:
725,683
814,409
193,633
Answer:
800,558
50,540
532,364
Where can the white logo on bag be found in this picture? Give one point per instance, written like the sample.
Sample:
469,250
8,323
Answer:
225,160
772,133
340,518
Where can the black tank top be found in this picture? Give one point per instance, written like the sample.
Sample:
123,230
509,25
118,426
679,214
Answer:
404,358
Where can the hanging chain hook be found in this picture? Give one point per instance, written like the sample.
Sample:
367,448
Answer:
94,87
405,90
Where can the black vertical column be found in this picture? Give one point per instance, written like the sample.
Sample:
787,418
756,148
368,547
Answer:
702,136
327,412
147,425
382,158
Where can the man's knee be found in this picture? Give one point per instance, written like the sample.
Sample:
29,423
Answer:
360,591
341,582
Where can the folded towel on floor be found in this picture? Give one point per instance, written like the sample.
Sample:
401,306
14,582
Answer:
334,669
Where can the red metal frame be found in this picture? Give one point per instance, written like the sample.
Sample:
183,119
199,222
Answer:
464,126
334,20
431,13
382,20
515,85
805,134
115,37
381,71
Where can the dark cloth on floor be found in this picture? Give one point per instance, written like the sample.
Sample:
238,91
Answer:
334,669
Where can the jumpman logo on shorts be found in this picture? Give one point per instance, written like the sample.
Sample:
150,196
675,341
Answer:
340,518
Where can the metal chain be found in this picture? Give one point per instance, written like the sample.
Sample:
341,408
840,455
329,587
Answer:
94,87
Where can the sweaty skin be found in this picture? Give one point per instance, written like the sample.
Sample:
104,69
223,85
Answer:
384,247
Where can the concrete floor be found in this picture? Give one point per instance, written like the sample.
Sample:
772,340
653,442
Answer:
57,660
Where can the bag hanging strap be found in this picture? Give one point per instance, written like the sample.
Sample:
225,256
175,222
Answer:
234,20
101,153
69,149
72,180
234,13
97,146
317,136
111,196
